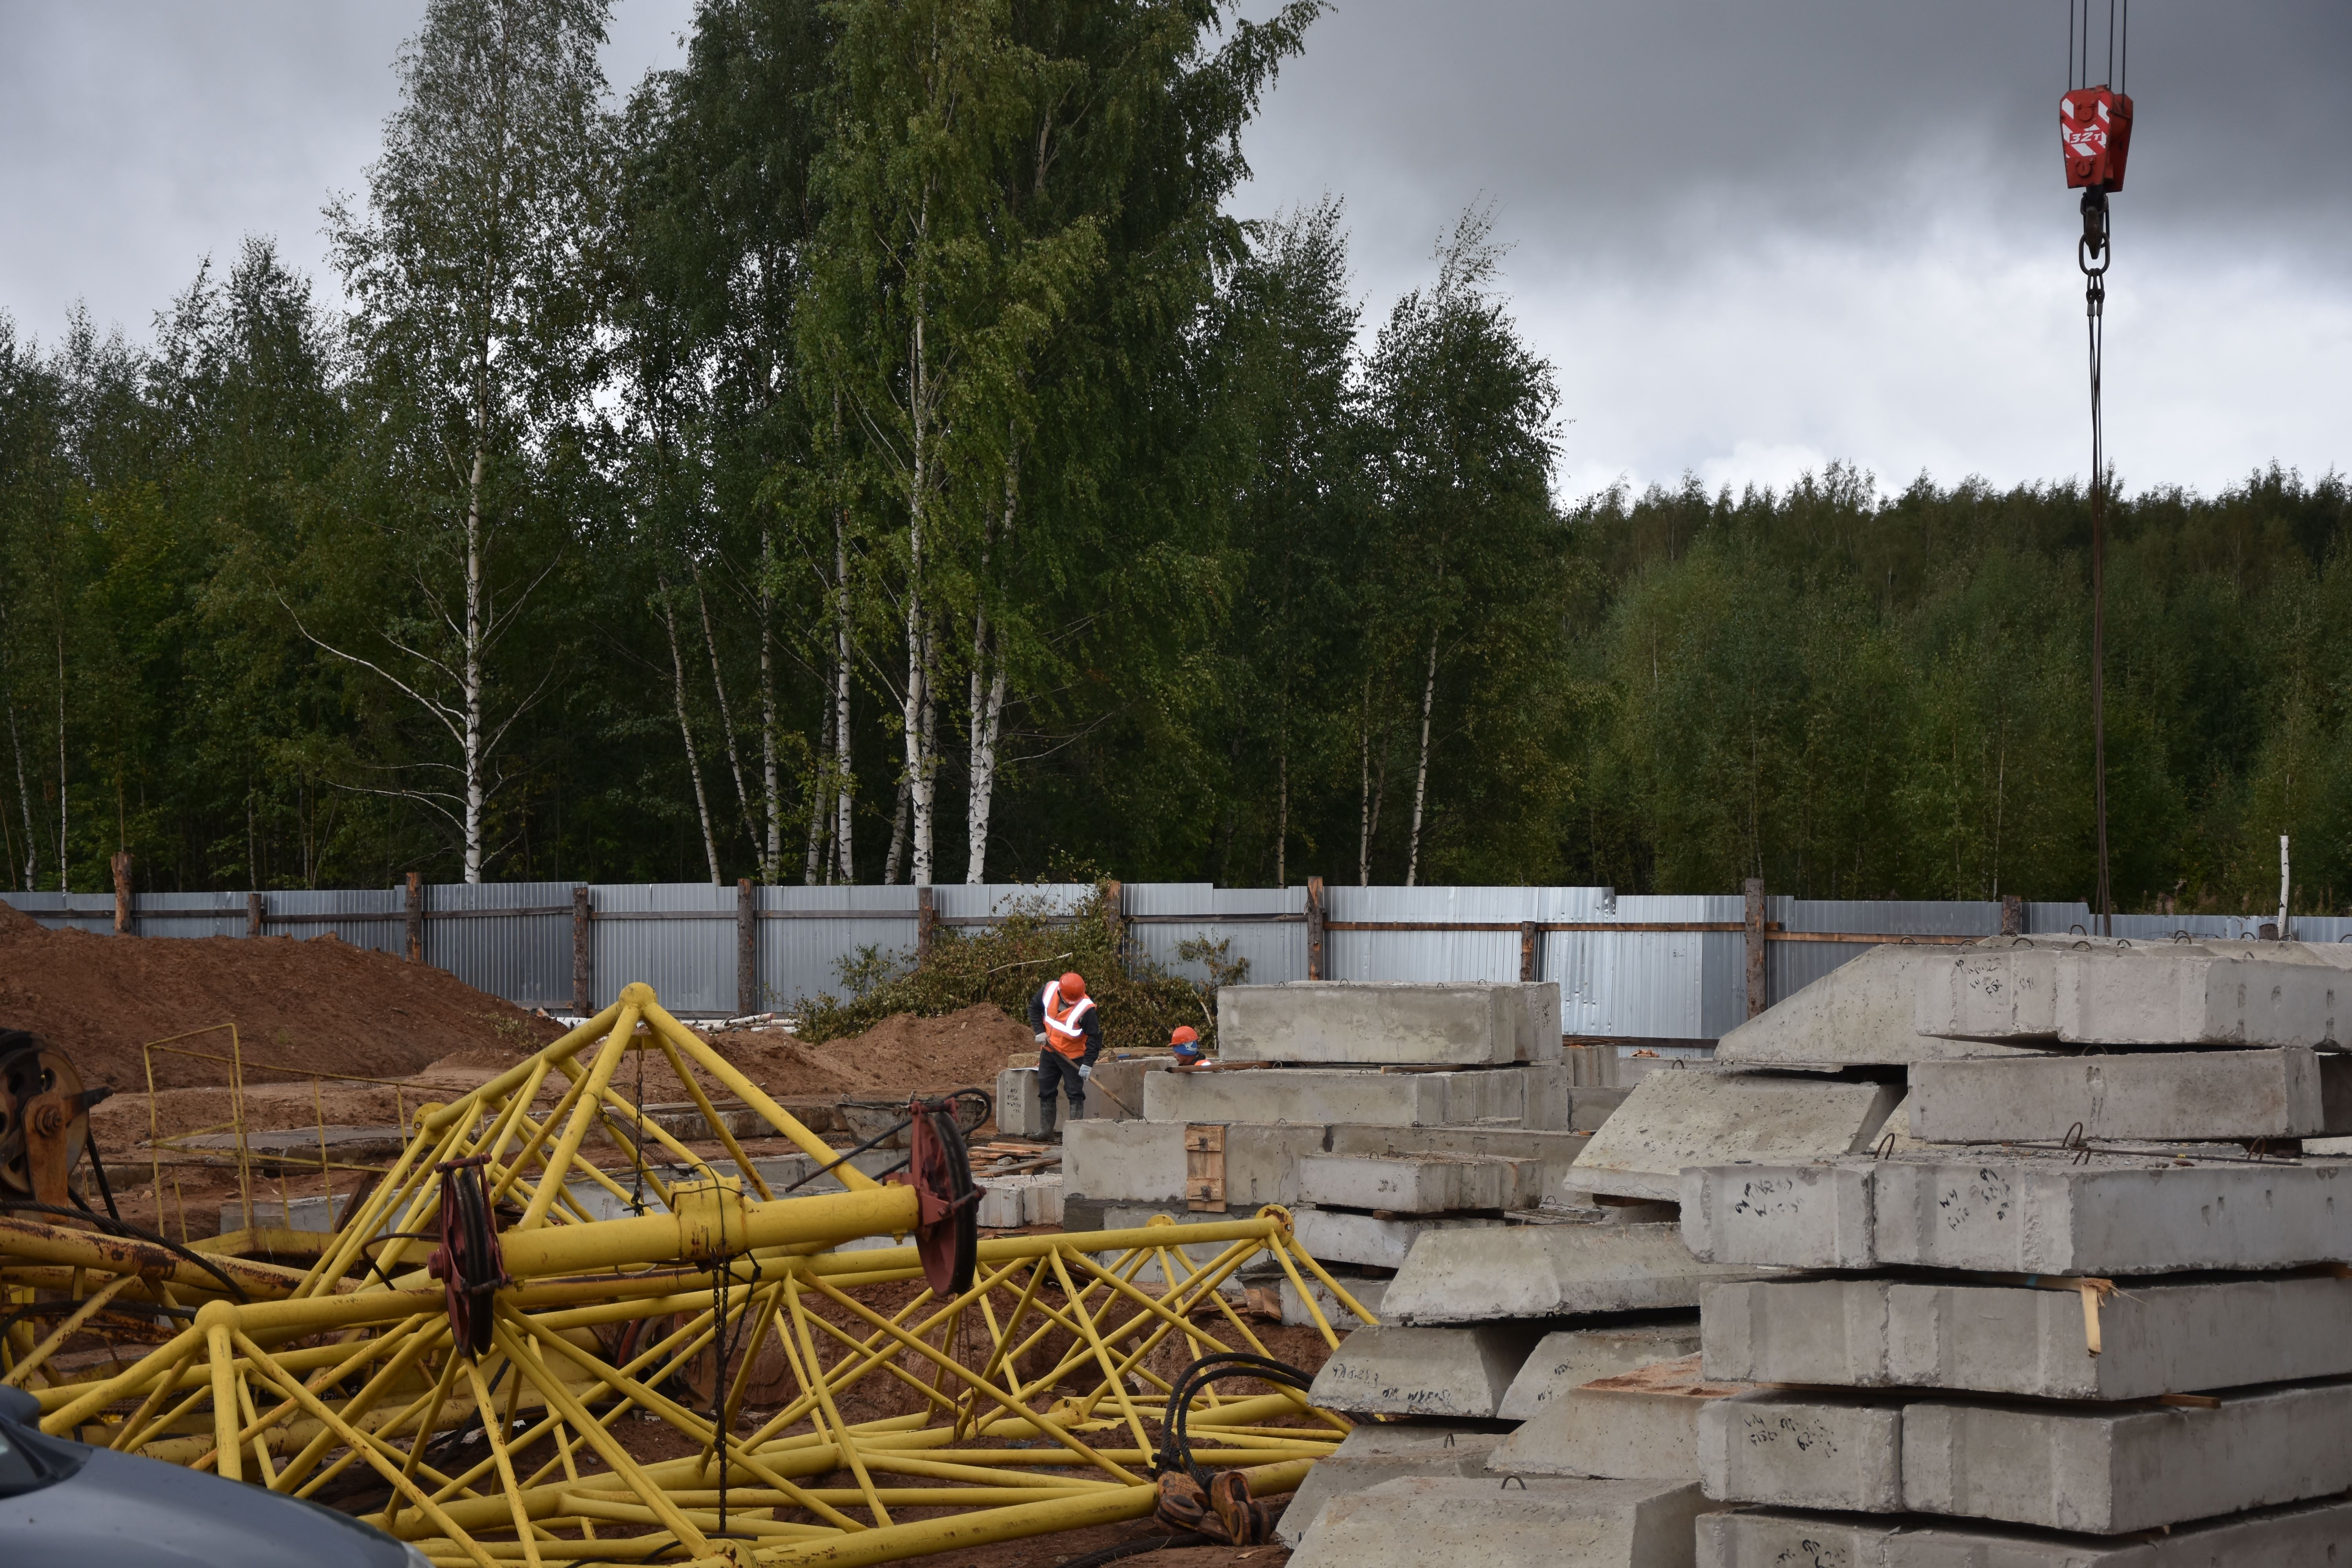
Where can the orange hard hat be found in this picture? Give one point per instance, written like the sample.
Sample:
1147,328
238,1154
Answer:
1185,1034
1073,986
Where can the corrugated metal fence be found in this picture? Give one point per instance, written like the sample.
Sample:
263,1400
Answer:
1660,968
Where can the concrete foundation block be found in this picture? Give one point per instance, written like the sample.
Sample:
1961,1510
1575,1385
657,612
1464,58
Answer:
2305,1536
2009,1211
1541,1039
1394,1370
317,1212
1368,1290
1638,1425
1018,1113
1795,1217
1860,1012
2114,994
2104,1473
1803,1450
1337,1022
1419,1184
1115,1093
1041,1202
1320,1096
1675,1120
1547,1272
1000,1206
1556,1151
1590,1108
2156,1338
1415,1521
2295,1092
1371,1454
1567,1359
1125,1162
1372,1241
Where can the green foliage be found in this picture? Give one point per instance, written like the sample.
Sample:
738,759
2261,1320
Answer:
1008,963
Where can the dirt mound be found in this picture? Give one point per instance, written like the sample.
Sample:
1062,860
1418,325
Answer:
316,1006
901,1055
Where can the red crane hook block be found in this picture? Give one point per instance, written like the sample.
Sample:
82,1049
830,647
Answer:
2095,126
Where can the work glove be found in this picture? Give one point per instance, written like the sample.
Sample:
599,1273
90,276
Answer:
1086,1071
1041,1037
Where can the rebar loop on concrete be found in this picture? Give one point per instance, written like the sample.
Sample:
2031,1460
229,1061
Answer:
862,1417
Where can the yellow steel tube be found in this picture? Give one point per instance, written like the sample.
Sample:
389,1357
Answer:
600,1073
399,1479
221,1362
710,1114
499,1087
922,1538
658,1238
64,1330
31,1241
491,1429
752,1094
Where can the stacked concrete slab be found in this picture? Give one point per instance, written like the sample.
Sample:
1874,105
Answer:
2090,1311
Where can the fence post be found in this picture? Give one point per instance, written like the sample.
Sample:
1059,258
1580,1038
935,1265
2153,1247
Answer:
1756,1000
1529,967
122,892
1315,966
2013,915
416,916
747,949
255,911
584,977
927,915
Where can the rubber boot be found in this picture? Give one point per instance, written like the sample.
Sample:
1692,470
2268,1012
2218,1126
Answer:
1046,1130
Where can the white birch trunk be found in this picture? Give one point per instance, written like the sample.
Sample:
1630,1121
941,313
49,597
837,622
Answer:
1364,790
897,837
813,849
773,861
1421,771
987,698
726,710
16,746
686,732
845,861
471,685
918,696
65,865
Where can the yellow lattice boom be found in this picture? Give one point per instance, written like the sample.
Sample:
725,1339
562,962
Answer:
732,1375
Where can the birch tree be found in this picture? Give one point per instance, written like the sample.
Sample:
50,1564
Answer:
472,277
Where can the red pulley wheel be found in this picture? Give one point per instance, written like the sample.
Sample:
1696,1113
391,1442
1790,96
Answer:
947,1230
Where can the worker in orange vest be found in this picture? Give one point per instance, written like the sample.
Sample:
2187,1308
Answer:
1069,1035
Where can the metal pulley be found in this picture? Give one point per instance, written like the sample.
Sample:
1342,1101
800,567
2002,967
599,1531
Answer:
947,1230
467,1262
2095,125
43,1119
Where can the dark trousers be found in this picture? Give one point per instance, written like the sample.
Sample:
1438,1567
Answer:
1056,1072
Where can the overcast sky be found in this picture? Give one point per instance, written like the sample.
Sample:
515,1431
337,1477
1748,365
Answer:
1753,236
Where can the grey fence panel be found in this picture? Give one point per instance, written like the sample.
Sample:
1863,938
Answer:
686,951
186,914
1425,954
1264,928
1790,966
2057,917
510,939
93,912
962,903
364,917
801,957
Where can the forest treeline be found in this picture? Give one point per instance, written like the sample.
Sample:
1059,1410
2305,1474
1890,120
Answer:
875,451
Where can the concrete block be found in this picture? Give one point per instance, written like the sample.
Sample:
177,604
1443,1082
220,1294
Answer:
1415,1521
1018,1114
1336,1022
1547,1099
1419,1184
1395,1370
1319,1096
1125,1162
1565,1359
2154,1337
2103,1472
1860,1012
2295,1092
1041,1200
317,1212
1368,1290
2310,1535
1590,1108
1371,1454
1001,1207
1541,1038
1639,1425
1556,1150
1803,1450
1675,1120
2151,995
1470,1276
1371,1241
1115,1093
2011,1212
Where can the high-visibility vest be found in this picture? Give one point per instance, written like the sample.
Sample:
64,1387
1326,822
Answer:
1066,1021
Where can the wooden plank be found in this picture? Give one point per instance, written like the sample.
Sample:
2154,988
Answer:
1205,1168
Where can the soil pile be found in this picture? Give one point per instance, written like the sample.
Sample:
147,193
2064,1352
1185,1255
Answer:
320,1005
901,1055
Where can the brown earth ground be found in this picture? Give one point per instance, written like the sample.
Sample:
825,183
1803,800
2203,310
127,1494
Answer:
331,1034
